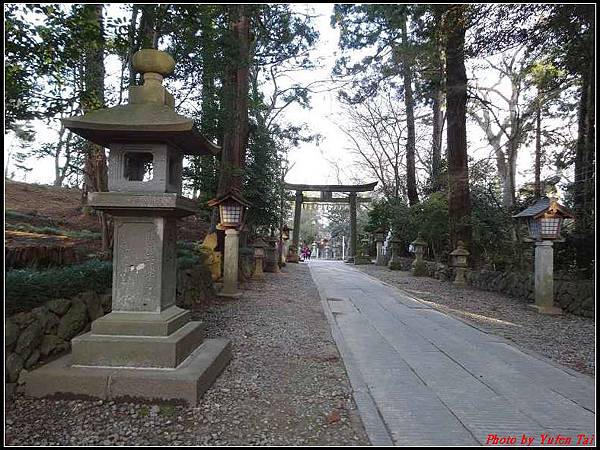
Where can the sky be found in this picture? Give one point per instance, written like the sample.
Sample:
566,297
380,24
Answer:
310,162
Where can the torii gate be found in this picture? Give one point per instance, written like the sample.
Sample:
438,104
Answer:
327,191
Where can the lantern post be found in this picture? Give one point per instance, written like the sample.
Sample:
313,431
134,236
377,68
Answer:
231,210
544,221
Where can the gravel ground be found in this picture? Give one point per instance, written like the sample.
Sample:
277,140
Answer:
286,385
566,339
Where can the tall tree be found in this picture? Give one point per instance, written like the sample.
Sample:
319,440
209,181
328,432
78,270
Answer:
384,29
92,98
459,201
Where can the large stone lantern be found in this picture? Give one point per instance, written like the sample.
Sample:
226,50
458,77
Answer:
544,220
146,347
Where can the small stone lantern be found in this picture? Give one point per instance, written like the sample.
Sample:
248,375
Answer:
146,347
379,239
292,253
459,262
419,269
231,210
544,221
363,256
395,263
259,256
271,259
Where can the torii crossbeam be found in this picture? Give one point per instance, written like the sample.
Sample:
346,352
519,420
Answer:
327,191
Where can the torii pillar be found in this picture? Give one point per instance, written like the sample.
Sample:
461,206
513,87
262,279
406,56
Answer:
352,244
293,250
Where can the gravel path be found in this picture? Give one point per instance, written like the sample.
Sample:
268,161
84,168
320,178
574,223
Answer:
566,339
286,385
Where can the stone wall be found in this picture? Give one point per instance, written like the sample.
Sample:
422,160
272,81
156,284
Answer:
35,337
575,297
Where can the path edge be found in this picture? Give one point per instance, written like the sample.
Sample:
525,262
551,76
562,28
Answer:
371,418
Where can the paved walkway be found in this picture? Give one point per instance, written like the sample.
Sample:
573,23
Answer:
421,377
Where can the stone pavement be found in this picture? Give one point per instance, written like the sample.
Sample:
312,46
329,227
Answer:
421,377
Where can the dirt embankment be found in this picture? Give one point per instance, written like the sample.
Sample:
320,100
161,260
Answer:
44,224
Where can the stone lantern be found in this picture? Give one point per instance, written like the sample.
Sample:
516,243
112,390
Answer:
459,262
231,211
271,259
419,269
259,256
363,256
146,347
395,263
379,239
314,254
544,221
292,253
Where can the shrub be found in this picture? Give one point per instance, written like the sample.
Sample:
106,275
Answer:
27,288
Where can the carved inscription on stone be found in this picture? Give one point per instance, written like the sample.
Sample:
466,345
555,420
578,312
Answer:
138,248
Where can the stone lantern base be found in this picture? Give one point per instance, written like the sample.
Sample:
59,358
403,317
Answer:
549,310
185,383
136,355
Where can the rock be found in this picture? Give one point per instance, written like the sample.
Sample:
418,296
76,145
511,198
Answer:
106,302
33,358
14,365
51,323
11,334
29,340
10,389
94,304
23,319
41,314
52,344
73,321
59,306
22,377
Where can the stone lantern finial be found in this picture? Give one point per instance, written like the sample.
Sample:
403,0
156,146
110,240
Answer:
154,65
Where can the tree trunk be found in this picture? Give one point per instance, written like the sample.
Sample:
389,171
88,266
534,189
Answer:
409,102
438,110
459,201
584,169
95,167
235,137
537,183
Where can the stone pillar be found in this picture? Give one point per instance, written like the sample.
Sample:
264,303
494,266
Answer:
231,264
544,279
380,259
352,244
293,250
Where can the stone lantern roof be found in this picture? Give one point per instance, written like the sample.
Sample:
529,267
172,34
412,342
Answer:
231,195
148,117
460,250
543,206
419,241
